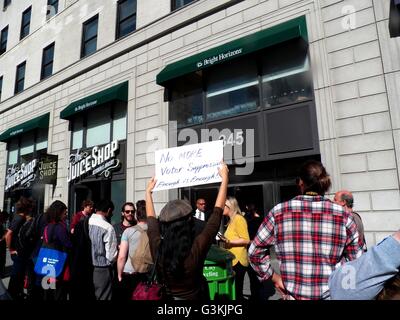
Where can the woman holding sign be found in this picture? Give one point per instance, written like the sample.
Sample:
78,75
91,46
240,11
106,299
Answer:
181,255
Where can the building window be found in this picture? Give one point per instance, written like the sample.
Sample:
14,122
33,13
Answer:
126,21
179,3
20,78
1,86
6,3
47,61
99,126
89,36
187,101
25,148
52,8
232,88
3,40
286,75
275,77
26,22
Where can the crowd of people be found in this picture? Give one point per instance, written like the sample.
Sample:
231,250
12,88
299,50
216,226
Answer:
319,244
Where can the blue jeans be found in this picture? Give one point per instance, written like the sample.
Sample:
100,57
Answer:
16,285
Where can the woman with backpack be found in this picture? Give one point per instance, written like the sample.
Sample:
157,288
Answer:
56,236
181,254
130,273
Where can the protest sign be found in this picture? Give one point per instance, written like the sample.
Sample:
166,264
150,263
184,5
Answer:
190,165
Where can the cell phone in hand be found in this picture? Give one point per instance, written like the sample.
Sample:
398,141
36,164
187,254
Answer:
222,237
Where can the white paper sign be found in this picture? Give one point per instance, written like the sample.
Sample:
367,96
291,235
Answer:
190,165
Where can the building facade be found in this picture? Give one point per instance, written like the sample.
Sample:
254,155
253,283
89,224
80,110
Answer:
90,89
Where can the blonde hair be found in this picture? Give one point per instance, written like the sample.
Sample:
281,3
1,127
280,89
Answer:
234,205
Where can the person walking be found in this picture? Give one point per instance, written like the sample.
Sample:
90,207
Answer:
310,234
182,256
104,249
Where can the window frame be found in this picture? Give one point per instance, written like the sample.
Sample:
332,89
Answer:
111,112
175,7
28,24
6,3
42,76
22,64
51,3
2,42
85,41
35,152
117,29
1,86
257,57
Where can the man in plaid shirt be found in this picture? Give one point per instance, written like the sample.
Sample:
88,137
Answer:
310,234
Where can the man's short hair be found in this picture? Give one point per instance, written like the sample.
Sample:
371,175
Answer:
348,199
104,205
87,203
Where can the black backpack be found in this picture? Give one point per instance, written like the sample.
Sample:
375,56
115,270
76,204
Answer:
28,234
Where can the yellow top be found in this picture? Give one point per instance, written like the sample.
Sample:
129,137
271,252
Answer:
237,228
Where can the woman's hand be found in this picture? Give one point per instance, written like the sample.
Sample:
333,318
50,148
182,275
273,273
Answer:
223,171
150,185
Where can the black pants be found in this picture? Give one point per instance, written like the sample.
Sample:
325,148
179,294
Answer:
18,272
240,272
3,251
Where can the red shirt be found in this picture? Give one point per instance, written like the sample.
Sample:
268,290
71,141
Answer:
76,218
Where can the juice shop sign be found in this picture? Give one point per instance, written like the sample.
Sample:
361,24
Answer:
101,160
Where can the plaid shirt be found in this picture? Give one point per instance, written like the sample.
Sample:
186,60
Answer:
311,234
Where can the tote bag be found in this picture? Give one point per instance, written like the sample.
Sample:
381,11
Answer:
50,261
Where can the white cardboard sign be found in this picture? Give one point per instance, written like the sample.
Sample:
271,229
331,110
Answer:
189,165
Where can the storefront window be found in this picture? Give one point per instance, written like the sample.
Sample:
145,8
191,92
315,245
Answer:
98,128
187,102
77,134
286,75
232,89
41,140
13,152
119,122
27,144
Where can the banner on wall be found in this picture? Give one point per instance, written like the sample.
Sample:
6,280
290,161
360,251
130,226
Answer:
100,160
37,171
189,165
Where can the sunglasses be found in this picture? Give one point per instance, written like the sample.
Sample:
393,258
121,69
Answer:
130,211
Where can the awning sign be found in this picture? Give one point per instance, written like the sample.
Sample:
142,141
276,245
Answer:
96,161
188,165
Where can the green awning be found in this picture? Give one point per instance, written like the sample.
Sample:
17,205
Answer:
292,29
118,92
39,122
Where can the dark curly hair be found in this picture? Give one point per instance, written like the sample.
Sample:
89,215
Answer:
55,211
24,205
175,248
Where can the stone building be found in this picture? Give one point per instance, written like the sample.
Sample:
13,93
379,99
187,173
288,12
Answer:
88,90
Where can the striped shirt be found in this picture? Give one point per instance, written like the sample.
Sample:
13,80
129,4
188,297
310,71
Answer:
311,235
104,241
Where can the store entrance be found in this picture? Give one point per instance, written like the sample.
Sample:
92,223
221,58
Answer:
264,195
36,193
97,190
